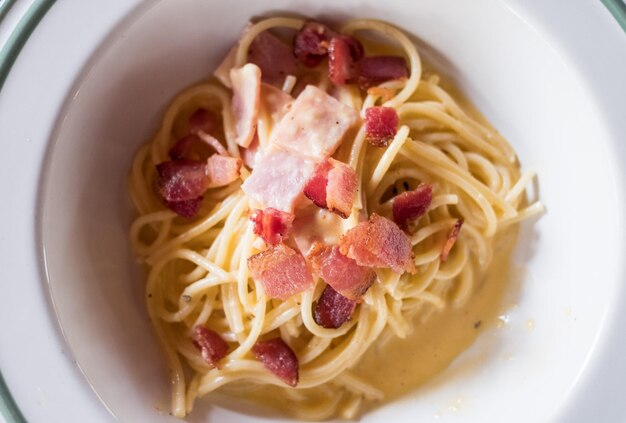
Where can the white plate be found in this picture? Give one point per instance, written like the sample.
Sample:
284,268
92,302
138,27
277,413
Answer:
89,87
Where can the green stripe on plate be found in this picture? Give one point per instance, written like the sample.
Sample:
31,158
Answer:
8,408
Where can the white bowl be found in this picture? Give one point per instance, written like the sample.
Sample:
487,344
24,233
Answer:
550,90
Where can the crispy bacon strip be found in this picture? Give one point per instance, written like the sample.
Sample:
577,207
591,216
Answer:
181,180
378,69
271,225
310,45
332,187
187,209
333,309
381,125
409,206
451,240
279,359
340,63
222,170
246,82
281,271
342,273
379,243
212,347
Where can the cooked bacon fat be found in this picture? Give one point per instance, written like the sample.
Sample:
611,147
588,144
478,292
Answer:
333,187
279,359
342,273
381,125
410,206
379,243
375,70
246,82
222,170
181,180
187,209
271,225
333,309
281,271
310,45
451,240
212,347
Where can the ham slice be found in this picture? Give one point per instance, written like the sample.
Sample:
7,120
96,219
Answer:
271,225
451,240
378,69
274,102
315,124
379,243
342,273
279,359
246,82
281,271
252,154
332,309
381,125
278,179
333,187
222,170
212,347
409,206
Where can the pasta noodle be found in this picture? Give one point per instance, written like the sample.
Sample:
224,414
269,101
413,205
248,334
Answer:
197,270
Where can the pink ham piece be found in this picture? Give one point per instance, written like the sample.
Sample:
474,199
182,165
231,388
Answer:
246,82
212,347
315,125
333,187
222,170
332,309
381,125
451,240
342,273
379,243
187,209
378,69
281,271
278,179
202,120
275,103
182,180
310,45
252,154
271,225
409,206
279,359
273,57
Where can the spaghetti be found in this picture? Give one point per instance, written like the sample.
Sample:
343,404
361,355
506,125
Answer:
197,269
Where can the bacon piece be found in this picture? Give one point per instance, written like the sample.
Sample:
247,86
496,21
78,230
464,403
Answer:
279,359
340,63
281,271
271,225
333,309
452,237
315,124
223,170
182,180
187,209
375,70
202,120
409,206
342,273
274,57
278,179
310,45
212,347
246,82
333,187
379,243
381,125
